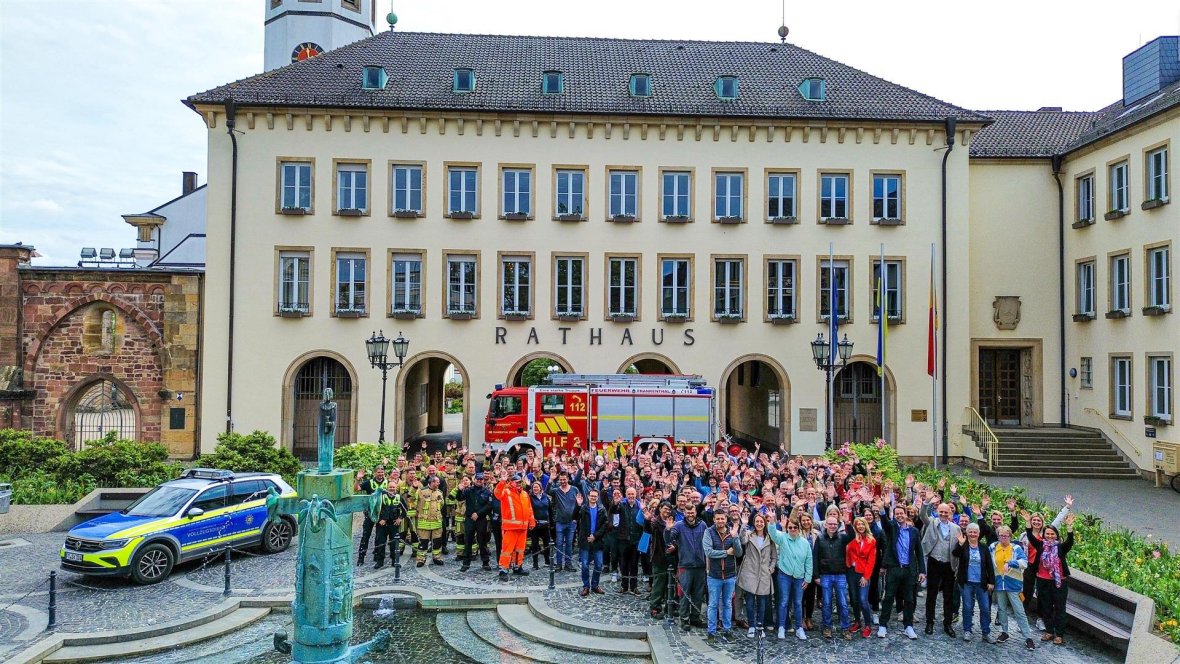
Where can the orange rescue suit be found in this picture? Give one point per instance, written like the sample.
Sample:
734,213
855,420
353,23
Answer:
516,518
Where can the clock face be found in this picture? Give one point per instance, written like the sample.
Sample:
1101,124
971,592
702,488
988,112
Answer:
306,50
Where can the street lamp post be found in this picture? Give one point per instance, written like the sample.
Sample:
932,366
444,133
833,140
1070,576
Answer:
378,349
821,352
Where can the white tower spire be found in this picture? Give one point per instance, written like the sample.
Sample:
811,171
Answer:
299,29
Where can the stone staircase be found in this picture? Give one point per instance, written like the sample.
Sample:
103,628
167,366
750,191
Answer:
1057,452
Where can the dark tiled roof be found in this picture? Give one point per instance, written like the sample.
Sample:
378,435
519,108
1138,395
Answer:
1116,116
508,78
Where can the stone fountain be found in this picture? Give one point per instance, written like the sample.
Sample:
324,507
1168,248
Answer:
322,610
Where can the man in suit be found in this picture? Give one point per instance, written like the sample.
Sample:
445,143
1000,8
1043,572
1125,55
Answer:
900,547
593,523
938,541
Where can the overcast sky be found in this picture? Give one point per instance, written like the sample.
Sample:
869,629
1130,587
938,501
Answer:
91,124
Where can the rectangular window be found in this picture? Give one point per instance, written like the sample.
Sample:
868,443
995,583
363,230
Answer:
1085,186
296,186
1159,277
622,287
1120,283
728,285
569,296
552,83
464,80
571,192
294,281
517,187
839,270
1086,304
833,202
350,283
1120,385
352,187
728,200
462,190
1119,200
886,197
407,188
516,278
406,283
780,288
640,85
893,289
1157,174
726,87
677,194
773,408
461,285
675,281
1087,373
623,193
1159,383
780,203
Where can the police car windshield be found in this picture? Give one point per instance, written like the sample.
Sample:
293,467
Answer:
161,501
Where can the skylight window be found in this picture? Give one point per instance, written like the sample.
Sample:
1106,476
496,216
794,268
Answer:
464,80
374,78
552,83
640,85
813,89
726,87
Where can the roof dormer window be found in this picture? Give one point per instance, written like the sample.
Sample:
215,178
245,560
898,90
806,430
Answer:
640,85
726,87
374,78
552,83
813,89
464,80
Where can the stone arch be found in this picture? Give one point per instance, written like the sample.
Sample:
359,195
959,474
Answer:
286,437
784,381
61,313
69,402
520,364
890,429
639,357
396,432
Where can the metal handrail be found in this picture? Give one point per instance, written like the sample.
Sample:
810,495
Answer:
979,429
1097,413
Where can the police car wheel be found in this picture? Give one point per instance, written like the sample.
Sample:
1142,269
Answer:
152,564
276,536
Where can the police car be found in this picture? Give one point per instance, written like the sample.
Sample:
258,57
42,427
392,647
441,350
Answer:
191,517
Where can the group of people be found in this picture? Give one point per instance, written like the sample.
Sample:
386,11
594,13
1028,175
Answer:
707,530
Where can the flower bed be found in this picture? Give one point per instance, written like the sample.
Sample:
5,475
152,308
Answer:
1116,555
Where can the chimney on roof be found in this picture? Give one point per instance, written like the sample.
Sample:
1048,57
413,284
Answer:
1050,108
188,182
1150,68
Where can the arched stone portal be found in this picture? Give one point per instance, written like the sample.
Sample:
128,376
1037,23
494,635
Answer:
97,407
649,363
303,389
755,402
421,401
857,397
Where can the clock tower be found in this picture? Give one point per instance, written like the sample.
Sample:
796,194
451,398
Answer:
300,29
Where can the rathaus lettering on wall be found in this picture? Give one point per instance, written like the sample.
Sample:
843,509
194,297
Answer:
595,336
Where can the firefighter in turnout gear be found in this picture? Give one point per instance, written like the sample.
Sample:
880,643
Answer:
430,522
391,518
452,526
409,489
366,485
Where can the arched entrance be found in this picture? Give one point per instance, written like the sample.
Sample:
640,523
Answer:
306,392
863,407
529,368
99,408
433,402
648,363
755,402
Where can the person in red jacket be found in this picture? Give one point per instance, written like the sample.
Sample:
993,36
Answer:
516,519
861,556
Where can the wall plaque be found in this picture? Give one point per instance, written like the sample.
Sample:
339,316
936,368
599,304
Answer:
1006,311
917,415
808,418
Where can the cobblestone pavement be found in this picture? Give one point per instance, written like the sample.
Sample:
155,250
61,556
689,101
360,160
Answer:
91,604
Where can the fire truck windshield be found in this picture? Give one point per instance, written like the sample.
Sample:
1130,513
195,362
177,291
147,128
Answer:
504,406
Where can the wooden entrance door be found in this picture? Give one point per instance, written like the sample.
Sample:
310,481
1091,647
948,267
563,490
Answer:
999,386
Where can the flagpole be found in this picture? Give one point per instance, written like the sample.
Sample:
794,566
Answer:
934,351
833,329
884,322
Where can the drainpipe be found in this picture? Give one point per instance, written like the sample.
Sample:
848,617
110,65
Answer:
950,145
1057,159
233,226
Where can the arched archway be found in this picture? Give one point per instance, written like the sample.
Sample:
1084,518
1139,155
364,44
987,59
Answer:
515,374
96,406
858,397
303,386
649,363
755,402
421,404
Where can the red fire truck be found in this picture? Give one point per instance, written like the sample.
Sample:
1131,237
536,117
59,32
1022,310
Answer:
597,412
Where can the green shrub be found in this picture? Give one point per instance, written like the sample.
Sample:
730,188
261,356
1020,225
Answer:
114,462
22,452
254,452
41,488
367,455
883,456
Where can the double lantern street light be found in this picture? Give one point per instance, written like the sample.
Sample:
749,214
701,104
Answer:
378,349
821,352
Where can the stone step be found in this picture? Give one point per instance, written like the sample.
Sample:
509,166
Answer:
543,611
490,628
122,650
1047,433
455,630
521,620
1055,442
1069,473
1042,460
1078,457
